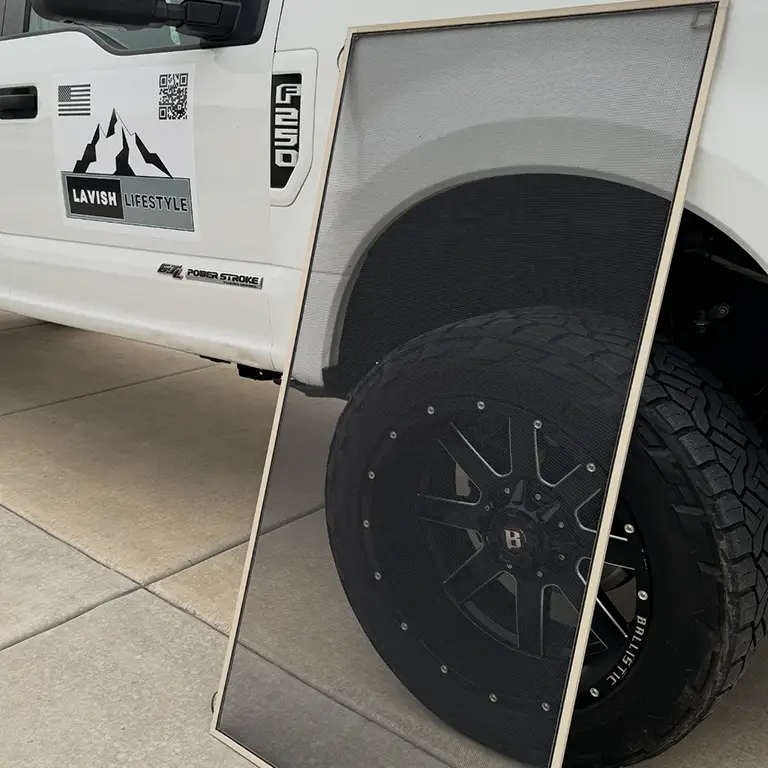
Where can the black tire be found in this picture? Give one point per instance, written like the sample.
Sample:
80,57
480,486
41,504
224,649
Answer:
702,475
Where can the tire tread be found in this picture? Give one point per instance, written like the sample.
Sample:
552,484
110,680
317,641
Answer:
695,424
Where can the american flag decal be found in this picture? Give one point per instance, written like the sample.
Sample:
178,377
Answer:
74,100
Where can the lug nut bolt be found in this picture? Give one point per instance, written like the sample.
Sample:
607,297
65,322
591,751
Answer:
545,706
430,410
561,524
594,692
507,491
393,435
629,528
444,669
493,697
371,475
404,627
591,467
539,574
642,594
537,496
561,557
537,424
366,523
480,405
377,576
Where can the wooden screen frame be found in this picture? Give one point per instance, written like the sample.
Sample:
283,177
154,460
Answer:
641,361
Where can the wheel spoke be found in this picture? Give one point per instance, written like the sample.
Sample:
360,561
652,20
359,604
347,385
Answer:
572,588
522,449
470,577
607,622
608,625
530,616
466,456
577,488
450,512
622,553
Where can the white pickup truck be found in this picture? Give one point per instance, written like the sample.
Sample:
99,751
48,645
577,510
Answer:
159,171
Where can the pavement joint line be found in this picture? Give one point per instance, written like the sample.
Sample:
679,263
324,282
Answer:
299,679
170,602
19,327
105,391
144,588
288,521
347,705
68,544
325,694
172,572
70,617
136,583
192,563
225,548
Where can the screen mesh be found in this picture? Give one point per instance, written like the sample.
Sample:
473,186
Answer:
492,219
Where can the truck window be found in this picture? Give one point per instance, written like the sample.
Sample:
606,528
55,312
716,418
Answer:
133,40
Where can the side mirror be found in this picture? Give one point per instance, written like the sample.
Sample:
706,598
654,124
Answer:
207,19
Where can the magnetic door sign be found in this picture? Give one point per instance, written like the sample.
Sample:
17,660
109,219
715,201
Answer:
125,148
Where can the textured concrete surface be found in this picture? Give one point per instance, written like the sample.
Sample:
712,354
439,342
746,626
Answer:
145,462
146,479
44,582
151,478
127,684
9,321
50,363
296,726
207,590
297,617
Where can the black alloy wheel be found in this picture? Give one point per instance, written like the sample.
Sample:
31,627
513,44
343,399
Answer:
464,486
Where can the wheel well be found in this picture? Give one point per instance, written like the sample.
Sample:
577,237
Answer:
715,309
510,241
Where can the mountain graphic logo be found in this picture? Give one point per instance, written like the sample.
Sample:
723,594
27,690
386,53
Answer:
119,152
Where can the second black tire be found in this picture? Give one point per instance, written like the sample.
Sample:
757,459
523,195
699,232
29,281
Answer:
696,474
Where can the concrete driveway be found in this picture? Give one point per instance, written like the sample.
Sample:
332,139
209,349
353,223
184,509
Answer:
128,480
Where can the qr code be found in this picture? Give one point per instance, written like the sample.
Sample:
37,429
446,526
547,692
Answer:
172,104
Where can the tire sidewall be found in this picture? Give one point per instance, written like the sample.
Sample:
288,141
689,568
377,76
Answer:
398,393
663,684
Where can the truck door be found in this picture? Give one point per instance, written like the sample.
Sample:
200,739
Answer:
134,194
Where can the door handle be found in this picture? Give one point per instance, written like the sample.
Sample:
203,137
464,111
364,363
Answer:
18,102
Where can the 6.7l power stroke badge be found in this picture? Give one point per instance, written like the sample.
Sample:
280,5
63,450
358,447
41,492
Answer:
211,276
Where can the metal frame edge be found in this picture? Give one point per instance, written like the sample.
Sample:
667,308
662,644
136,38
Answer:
641,361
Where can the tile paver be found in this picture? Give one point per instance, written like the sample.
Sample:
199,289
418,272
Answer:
298,617
9,321
149,478
127,684
42,364
207,590
44,582
299,727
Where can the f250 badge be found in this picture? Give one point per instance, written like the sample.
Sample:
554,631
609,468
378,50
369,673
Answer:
209,276
286,124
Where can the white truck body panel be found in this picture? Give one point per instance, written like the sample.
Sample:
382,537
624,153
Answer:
108,281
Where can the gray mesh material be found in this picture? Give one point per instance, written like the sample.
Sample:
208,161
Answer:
483,122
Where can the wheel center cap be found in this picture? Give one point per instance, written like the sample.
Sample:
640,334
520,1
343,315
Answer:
514,539
513,536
